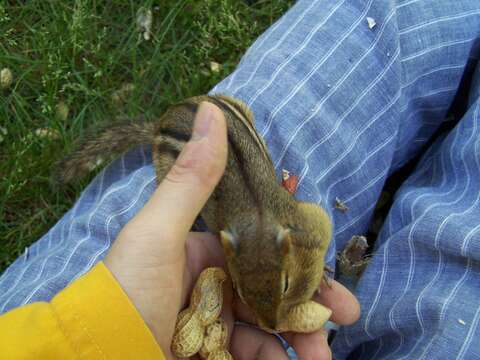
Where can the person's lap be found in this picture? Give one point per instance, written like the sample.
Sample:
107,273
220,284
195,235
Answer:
343,106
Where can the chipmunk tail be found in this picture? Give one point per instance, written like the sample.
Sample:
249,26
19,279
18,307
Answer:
104,145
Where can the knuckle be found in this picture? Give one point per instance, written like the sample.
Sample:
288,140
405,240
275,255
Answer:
179,173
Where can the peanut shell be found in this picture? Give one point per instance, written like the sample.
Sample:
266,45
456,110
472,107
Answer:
305,318
207,295
215,339
189,333
220,355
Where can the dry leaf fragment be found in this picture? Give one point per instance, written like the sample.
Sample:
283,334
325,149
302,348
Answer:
92,165
47,133
3,133
215,67
371,22
6,78
289,182
340,205
121,95
144,22
352,260
61,111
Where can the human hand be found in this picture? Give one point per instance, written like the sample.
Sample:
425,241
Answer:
156,259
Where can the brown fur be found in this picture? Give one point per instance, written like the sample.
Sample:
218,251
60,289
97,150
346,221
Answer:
269,238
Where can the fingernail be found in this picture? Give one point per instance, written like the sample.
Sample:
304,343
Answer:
203,121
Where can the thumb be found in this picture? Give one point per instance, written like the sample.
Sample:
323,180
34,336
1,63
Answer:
186,188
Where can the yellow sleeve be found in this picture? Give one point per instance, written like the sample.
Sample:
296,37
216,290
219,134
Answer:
90,319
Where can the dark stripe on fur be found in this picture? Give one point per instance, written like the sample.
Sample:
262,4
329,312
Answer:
177,135
193,107
238,154
167,148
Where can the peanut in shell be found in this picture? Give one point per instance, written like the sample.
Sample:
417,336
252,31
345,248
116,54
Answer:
207,295
220,355
216,335
189,333
305,318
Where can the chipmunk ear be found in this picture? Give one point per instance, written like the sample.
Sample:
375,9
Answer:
284,240
229,243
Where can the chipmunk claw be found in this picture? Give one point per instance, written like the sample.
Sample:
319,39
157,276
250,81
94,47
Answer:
328,281
325,278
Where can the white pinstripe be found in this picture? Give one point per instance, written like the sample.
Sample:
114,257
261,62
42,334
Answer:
256,45
416,190
302,46
355,219
13,288
427,109
374,119
376,299
430,93
280,41
337,85
357,137
424,194
109,236
407,3
331,257
311,116
418,303
420,140
444,179
4,275
413,191
436,47
123,169
447,303
370,183
360,165
25,270
345,337
380,290
414,177
411,245
411,271
97,199
58,247
437,20
471,331
325,138
311,150
80,242
467,240
445,221
440,228
433,71
380,341
455,289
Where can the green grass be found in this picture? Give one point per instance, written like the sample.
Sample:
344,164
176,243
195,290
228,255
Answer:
78,54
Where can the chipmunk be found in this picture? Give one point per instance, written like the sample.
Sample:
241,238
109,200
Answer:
274,245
